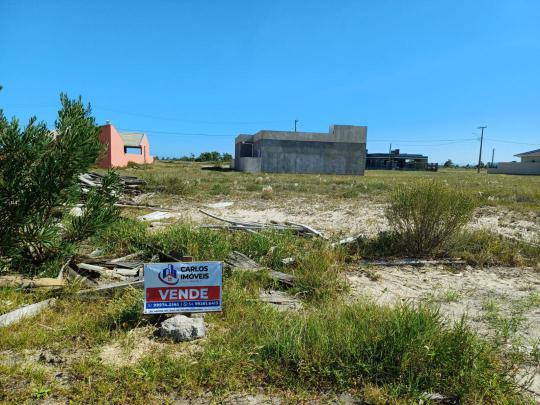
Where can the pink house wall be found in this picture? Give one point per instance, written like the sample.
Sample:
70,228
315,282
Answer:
114,155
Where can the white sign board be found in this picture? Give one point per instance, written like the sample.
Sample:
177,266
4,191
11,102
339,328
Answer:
182,287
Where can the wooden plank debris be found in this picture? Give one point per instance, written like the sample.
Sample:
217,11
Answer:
307,228
25,312
111,288
78,278
126,258
257,226
281,300
156,216
238,261
130,184
21,282
92,268
346,241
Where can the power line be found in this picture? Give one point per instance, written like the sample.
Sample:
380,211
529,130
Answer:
174,132
157,117
425,140
517,143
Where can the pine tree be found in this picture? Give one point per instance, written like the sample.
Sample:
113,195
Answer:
39,172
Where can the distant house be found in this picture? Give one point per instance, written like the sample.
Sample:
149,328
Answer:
530,164
123,147
340,151
395,160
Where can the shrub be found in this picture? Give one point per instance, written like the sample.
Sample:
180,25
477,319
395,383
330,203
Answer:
267,192
424,215
38,183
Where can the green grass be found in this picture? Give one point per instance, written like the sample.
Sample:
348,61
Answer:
174,180
335,347
387,354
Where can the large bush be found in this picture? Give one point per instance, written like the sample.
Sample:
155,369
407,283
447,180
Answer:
39,171
425,215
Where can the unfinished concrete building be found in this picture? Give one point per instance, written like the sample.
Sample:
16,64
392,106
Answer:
341,151
395,160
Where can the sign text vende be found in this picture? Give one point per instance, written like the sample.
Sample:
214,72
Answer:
169,288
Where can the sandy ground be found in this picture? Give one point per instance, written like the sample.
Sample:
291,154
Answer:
495,301
466,291
348,217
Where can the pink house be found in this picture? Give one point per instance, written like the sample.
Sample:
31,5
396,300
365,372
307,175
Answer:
123,147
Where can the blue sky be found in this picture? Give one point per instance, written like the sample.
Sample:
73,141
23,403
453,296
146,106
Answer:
421,75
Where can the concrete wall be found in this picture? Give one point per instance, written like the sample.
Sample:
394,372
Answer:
341,151
530,159
515,168
248,164
280,156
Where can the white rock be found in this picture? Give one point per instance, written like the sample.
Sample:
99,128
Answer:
76,212
180,328
128,272
156,216
223,204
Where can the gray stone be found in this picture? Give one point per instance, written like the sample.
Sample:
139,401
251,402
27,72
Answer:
180,328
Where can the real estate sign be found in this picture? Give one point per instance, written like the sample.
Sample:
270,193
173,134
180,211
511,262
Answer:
182,287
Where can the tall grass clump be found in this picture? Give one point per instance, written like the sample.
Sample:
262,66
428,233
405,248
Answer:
405,349
318,275
425,215
484,248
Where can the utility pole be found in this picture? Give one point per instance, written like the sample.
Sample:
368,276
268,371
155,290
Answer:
492,156
480,154
295,122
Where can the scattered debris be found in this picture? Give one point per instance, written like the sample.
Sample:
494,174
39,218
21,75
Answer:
254,226
436,397
78,278
181,328
156,216
239,261
130,184
288,260
92,268
21,282
25,312
76,211
222,204
280,300
110,288
413,262
307,228
346,241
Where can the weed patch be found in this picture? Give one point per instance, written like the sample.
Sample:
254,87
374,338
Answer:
425,215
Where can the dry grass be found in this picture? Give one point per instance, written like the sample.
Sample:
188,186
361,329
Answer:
186,180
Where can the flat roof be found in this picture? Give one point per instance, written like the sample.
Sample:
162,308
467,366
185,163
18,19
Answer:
132,138
346,133
399,156
535,152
